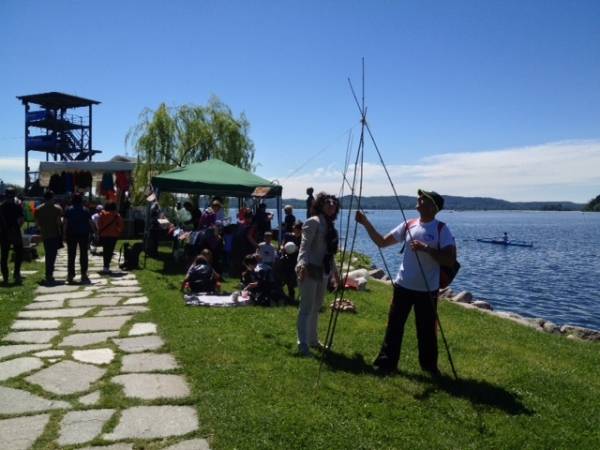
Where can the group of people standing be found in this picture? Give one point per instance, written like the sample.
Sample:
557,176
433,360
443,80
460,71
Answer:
73,226
429,244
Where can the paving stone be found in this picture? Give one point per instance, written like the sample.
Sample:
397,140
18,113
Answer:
66,377
192,444
52,304
99,323
85,339
95,301
16,401
127,276
91,289
10,350
94,356
78,427
141,328
50,353
90,399
136,301
152,386
32,337
53,313
53,360
129,282
35,324
139,344
140,422
56,289
28,272
110,447
20,433
148,362
18,366
61,296
121,310
121,289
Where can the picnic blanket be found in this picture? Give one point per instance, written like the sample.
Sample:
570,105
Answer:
215,300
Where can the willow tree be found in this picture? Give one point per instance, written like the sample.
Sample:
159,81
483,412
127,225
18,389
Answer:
170,137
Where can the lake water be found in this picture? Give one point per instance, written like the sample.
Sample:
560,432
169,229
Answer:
558,279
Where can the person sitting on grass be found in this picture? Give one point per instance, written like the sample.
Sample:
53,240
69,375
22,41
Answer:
259,283
200,277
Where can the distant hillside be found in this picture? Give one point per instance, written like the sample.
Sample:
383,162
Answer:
452,202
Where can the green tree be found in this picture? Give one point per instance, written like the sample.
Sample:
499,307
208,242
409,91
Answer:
593,205
170,137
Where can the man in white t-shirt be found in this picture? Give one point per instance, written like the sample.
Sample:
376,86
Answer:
429,244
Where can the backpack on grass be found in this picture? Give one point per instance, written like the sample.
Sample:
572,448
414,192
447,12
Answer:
131,256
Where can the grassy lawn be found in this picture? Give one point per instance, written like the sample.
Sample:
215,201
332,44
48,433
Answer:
518,388
13,298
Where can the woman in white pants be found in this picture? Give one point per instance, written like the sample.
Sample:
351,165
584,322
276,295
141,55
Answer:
316,266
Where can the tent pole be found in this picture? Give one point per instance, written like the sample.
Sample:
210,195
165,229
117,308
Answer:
279,227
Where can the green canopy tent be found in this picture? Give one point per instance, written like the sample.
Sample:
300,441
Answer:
216,177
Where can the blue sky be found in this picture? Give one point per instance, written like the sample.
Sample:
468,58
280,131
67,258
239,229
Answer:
495,98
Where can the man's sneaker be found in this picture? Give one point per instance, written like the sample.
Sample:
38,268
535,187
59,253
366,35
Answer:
105,271
18,279
85,279
319,346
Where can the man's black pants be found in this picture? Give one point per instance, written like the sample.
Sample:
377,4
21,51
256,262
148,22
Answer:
50,251
425,304
5,245
108,248
72,243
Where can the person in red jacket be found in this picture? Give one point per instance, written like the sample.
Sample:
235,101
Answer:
110,227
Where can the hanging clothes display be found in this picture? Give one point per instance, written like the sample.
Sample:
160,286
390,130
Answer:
107,183
122,181
69,182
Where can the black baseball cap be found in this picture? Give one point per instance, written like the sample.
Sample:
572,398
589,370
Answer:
436,198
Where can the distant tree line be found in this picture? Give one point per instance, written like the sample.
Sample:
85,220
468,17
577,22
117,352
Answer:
452,202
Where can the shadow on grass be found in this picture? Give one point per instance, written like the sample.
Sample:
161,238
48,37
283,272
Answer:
169,267
478,392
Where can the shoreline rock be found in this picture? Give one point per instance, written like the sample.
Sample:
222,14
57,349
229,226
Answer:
466,300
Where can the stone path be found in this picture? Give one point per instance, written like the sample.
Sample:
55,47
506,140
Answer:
71,352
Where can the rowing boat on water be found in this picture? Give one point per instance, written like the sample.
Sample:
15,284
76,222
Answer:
506,243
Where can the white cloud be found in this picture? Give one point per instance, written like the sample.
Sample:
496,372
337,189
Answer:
556,171
12,169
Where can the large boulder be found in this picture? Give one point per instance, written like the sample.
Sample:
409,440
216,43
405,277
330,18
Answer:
463,297
378,274
482,305
551,327
361,284
446,292
580,332
358,273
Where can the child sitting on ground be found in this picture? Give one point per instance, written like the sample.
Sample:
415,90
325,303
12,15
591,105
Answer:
258,282
266,250
201,277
